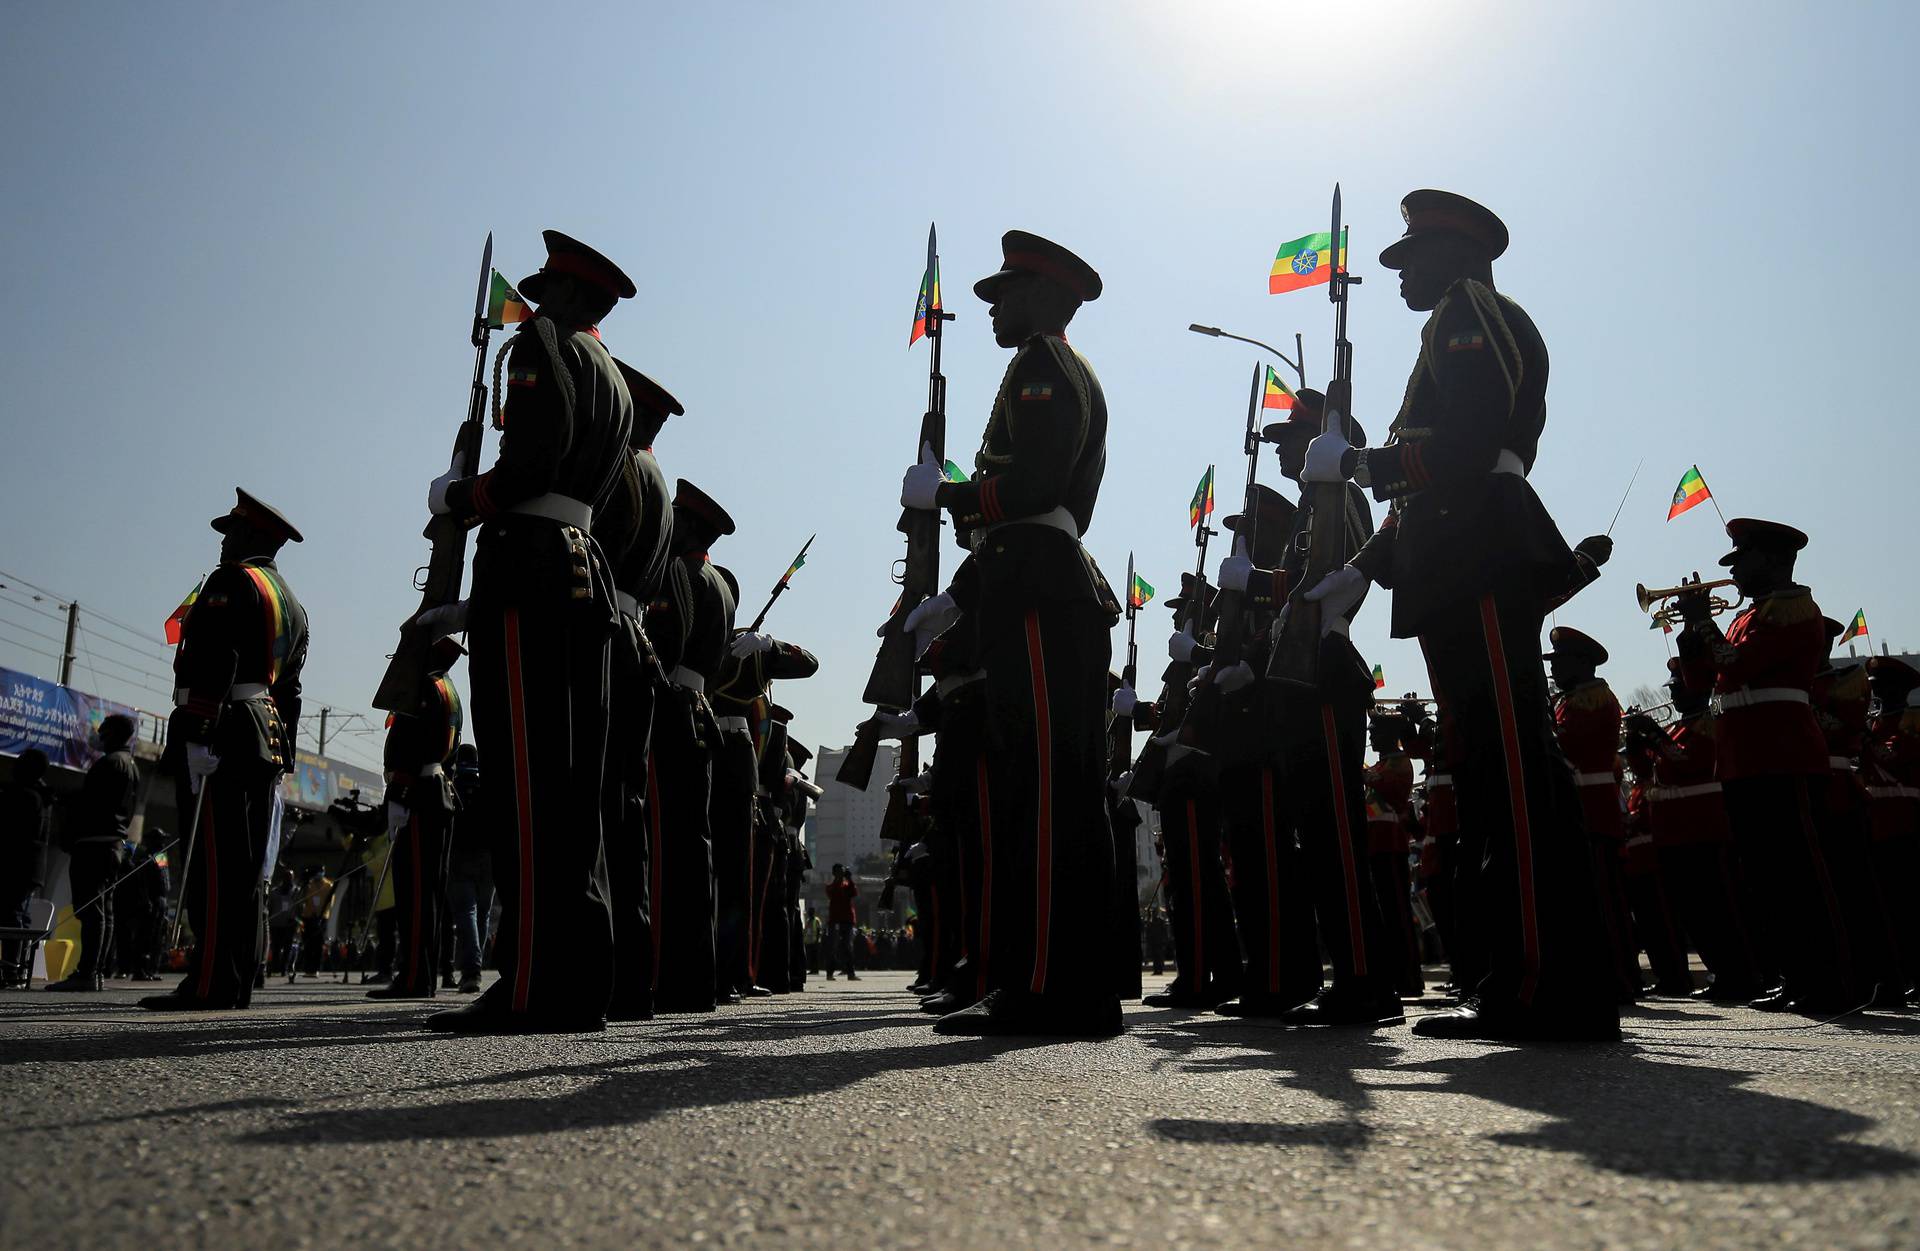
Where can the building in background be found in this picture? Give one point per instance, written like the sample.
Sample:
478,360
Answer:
845,825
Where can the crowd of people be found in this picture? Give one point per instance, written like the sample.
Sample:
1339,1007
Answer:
642,802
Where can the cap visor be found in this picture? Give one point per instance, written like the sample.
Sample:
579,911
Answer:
987,286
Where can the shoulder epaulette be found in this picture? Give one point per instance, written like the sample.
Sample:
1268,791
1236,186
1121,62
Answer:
1793,606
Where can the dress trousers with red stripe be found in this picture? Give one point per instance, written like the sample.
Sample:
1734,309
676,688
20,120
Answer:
1586,720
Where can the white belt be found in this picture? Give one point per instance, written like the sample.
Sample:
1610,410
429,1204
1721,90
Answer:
1842,763
561,508
1509,462
1440,779
683,676
1748,696
1596,779
1057,517
737,725
1660,793
239,692
628,604
1893,792
953,682
431,771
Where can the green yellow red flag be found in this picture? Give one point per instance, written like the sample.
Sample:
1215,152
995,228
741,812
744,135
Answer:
176,624
1140,593
1379,679
504,305
1278,393
1691,491
928,304
1202,506
1306,262
1857,628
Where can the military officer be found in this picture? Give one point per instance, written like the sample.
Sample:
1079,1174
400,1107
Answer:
697,615
635,531
1045,611
420,807
1771,754
1586,720
1473,558
541,619
1321,745
237,696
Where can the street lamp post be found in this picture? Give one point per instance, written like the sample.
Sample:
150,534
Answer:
1293,362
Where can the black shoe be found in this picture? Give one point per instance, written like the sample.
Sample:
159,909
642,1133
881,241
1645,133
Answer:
446,981
1204,1000
829,977
853,977
641,1009
1773,1001
1727,991
79,981
470,984
1268,1006
918,987
755,992
1332,1007
397,991
1001,1015
725,998
483,1017
1673,990
945,1003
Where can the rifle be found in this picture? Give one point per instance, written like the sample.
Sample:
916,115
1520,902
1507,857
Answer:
895,682
1149,771
1296,649
1230,643
405,681
781,585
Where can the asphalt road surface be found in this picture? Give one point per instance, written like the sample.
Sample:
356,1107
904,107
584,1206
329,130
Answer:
833,1117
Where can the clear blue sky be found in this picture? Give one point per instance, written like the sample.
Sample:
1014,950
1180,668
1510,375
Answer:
240,244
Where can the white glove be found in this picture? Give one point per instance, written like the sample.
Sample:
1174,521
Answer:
921,482
437,489
201,762
1181,645
752,644
442,621
898,725
1125,700
1236,570
1337,594
1237,678
1121,783
1324,455
397,816
931,618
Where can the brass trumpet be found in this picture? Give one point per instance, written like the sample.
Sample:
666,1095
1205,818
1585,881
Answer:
1669,614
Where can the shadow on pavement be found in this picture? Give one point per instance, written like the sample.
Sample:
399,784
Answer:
1619,1107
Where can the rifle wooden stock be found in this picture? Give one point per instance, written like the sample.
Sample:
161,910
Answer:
856,767
899,824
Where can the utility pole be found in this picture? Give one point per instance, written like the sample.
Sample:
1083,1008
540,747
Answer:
323,729
73,633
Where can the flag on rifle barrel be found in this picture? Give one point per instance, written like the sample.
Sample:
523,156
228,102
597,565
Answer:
928,305
1139,593
1278,394
952,472
1306,262
1691,491
176,624
1379,679
504,305
794,568
1857,628
1202,506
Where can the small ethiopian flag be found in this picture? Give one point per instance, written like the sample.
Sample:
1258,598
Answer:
504,305
177,623
1857,628
798,561
1140,593
1379,679
1306,262
928,305
1691,491
952,472
1279,394
1202,506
